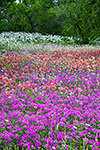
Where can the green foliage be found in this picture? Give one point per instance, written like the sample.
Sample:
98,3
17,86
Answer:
78,19
4,3
5,25
81,19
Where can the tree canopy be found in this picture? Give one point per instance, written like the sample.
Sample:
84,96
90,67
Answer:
77,18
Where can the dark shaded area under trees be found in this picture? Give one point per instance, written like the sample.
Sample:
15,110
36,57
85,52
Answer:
77,18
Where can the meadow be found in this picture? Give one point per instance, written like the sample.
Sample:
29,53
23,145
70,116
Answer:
49,95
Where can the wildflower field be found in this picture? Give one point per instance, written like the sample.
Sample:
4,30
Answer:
50,100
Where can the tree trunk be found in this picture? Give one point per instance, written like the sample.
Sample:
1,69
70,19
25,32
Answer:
24,27
84,37
31,23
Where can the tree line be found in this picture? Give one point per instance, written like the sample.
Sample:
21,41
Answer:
77,18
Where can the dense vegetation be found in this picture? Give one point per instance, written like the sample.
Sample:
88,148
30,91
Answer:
38,42
50,75
49,98
75,18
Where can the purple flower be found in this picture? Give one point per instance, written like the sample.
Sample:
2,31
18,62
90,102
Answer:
37,143
62,124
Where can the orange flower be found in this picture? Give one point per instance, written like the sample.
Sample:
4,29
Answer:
7,94
35,107
66,88
21,69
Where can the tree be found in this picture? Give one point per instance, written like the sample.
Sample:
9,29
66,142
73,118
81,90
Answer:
31,16
82,18
36,12
28,15
5,25
4,4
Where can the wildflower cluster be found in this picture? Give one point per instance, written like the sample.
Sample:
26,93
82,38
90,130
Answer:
36,41
50,100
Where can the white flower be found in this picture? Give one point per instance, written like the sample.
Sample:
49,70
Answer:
7,120
54,147
75,127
